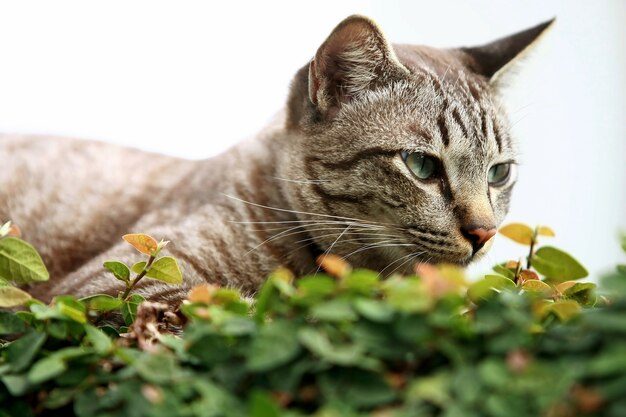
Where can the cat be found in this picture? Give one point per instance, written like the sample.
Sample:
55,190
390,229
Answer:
387,155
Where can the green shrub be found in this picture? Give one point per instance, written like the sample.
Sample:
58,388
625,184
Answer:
341,343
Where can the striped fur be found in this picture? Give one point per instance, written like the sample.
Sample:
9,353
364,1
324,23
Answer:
326,177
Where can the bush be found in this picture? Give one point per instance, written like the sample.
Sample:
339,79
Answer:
340,343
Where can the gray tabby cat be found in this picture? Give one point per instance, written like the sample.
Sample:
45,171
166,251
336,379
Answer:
387,155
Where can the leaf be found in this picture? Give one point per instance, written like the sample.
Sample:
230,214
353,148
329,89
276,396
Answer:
165,269
71,308
145,244
10,323
263,354
12,296
319,344
488,286
119,270
46,368
334,265
21,352
102,302
582,292
334,310
545,231
624,243
518,232
129,308
565,309
536,286
20,262
373,310
138,267
261,405
98,339
557,265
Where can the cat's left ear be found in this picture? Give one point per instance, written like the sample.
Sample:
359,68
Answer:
495,59
354,58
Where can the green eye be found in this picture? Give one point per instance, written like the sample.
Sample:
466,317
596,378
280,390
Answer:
423,166
498,174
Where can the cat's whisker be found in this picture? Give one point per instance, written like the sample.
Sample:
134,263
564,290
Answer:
374,246
413,254
351,219
302,181
327,251
410,259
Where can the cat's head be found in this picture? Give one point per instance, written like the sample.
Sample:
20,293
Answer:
399,153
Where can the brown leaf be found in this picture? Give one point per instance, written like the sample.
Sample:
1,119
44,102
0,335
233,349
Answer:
152,393
442,280
282,398
145,244
527,275
202,293
334,265
512,265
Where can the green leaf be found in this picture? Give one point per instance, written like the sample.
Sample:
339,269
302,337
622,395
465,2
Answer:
46,368
408,295
119,270
138,267
261,405
565,309
10,323
624,243
503,270
165,269
357,388
129,308
334,310
17,385
583,292
361,280
263,354
102,302
21,352
100,341
536,286
70,308
20,262
557,265
488,286
12,296
374,310
319,344
518,232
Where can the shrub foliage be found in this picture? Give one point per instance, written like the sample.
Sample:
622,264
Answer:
527,340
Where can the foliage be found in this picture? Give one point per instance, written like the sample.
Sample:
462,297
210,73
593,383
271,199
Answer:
524,341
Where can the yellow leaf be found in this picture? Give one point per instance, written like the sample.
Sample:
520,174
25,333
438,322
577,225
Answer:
518,232
536,286
334,265
563,286
145,244
12,296
545,231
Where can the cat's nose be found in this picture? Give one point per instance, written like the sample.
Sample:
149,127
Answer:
478,236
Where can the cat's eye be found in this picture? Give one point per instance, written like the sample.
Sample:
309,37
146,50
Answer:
498,174
423,166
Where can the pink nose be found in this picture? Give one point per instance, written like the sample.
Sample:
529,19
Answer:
478,236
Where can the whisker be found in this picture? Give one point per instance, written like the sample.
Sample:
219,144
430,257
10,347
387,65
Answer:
305,212
302,181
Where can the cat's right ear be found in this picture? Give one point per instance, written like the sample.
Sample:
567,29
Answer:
354,58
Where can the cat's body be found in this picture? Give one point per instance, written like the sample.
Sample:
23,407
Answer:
341,172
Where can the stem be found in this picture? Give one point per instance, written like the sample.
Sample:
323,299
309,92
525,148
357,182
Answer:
142,274
532,248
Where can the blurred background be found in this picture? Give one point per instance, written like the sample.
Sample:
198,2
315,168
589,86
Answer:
192,78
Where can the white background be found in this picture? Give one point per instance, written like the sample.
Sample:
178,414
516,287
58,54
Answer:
192,78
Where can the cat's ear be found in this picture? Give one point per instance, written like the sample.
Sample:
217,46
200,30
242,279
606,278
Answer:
494,59
355,57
